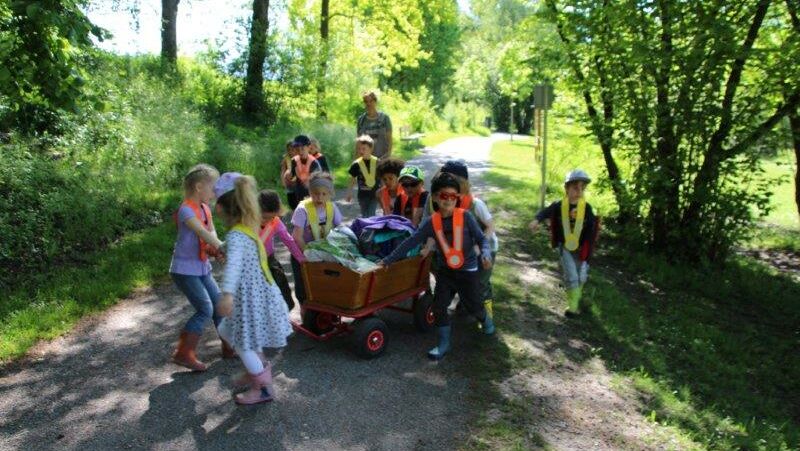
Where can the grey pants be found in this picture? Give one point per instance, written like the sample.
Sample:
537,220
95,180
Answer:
575,272
367,203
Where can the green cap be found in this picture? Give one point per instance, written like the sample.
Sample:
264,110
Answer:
412,172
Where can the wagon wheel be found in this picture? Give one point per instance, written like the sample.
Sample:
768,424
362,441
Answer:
423,313
319,322
370,337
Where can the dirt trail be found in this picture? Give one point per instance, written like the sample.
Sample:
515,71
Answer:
108,384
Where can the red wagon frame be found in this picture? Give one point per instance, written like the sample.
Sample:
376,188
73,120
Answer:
322,322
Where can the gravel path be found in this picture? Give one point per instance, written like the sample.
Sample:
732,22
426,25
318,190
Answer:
108,384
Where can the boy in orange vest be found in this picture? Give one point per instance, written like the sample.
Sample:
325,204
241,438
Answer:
389,173
412,203
458,235
303,165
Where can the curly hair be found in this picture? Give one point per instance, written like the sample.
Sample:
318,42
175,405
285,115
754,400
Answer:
390,166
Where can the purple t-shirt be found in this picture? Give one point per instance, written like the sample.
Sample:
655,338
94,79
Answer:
186,255
300,219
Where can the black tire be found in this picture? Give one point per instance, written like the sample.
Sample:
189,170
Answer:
423,313
370,337
319,322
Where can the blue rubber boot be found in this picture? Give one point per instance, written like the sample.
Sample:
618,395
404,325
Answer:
437,353
488,322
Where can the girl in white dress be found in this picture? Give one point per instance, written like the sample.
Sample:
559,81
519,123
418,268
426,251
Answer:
255,313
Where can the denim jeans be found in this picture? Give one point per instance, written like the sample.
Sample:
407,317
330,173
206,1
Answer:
575,272
203,293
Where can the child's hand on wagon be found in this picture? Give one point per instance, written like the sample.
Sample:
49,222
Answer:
225,305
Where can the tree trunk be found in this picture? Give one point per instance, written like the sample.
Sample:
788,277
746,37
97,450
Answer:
324,31
169,40
253,104
794,123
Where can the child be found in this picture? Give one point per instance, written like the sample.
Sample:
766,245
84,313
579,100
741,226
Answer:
286,173
255,313
389,174
457,233
316,152
303,165
312,220
573,230
190,268
271,225
481,212
412,203
364,170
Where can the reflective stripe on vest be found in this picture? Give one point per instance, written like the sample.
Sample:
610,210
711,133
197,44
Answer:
369,177
205,222
386,200
572,236
262,251
303,171
268,231
453,256
313,219
414,202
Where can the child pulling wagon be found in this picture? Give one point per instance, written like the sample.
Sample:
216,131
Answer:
457,234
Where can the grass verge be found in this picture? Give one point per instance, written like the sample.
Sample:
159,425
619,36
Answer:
52,302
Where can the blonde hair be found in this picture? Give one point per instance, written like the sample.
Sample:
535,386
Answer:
241,205
199,173
366,139
464,183
370,93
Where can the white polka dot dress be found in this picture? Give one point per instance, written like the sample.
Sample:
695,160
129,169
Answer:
260,318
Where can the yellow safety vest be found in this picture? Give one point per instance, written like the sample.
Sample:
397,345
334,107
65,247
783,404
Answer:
262,251
572,236
369,177
313,219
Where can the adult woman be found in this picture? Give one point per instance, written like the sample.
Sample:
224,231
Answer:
377,125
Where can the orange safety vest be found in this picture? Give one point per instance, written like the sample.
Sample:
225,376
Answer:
303,170
414,202
465,202
386,201
453,256
268,231
206,223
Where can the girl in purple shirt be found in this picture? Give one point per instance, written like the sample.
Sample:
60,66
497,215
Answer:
190,268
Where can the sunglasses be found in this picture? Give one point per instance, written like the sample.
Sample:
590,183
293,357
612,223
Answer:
449,196
410,184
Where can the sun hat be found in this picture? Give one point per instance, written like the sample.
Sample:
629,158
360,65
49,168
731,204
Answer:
226,183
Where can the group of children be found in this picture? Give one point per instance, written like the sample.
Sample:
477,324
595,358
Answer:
251,310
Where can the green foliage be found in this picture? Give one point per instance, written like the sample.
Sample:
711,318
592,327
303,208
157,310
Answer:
684,95
43,50
439,40
710,351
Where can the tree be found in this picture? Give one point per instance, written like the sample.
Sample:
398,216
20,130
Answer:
439,42
43,49
683,96
253,102
169,39
324,33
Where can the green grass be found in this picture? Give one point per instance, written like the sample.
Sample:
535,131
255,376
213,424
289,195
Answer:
711,352
780,170
54,301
